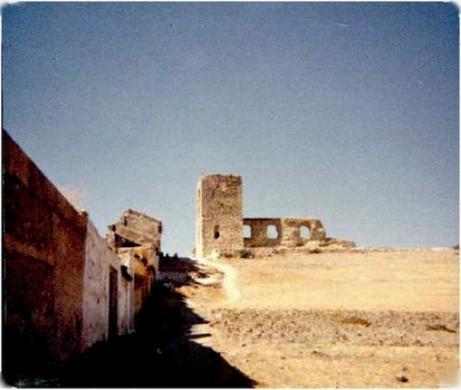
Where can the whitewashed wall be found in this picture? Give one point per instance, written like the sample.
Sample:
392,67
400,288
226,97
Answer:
98,259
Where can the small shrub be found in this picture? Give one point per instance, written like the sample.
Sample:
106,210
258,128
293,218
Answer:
356,321
440,327
245,254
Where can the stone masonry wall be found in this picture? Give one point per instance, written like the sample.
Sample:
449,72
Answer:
291,231
259,235
288,232
219,215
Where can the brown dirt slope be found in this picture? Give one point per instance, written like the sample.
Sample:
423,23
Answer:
352,319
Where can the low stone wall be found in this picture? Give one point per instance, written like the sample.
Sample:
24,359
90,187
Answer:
311,247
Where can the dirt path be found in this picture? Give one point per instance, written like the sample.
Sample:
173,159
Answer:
229,281
213,274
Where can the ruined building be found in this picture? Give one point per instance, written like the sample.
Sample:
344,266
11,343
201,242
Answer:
136,240
219,215
221,229
64,288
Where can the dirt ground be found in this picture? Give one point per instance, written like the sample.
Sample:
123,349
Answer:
352,319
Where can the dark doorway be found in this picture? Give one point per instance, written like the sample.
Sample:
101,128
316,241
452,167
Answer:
113,303
141,291
217,234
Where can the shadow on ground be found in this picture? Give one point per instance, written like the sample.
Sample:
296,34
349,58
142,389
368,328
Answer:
161,353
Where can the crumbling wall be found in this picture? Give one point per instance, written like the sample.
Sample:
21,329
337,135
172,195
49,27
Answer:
291,231
135,229
287,232
43,261
99,259
260,232
136,239
143,271
218,215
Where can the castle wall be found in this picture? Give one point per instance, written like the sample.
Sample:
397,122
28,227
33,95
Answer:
291,231
259,232
288,232
219,215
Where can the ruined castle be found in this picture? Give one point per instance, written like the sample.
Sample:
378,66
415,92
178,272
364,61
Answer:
222,231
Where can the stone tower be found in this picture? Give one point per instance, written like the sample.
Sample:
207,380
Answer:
219,229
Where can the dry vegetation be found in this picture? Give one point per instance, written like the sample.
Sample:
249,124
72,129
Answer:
351,319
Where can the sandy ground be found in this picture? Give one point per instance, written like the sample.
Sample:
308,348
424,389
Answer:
352,319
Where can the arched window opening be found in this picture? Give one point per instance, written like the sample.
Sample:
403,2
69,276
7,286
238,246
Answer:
272,232
304,232
246,231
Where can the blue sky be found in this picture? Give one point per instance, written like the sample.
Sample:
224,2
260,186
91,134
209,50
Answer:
343,111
